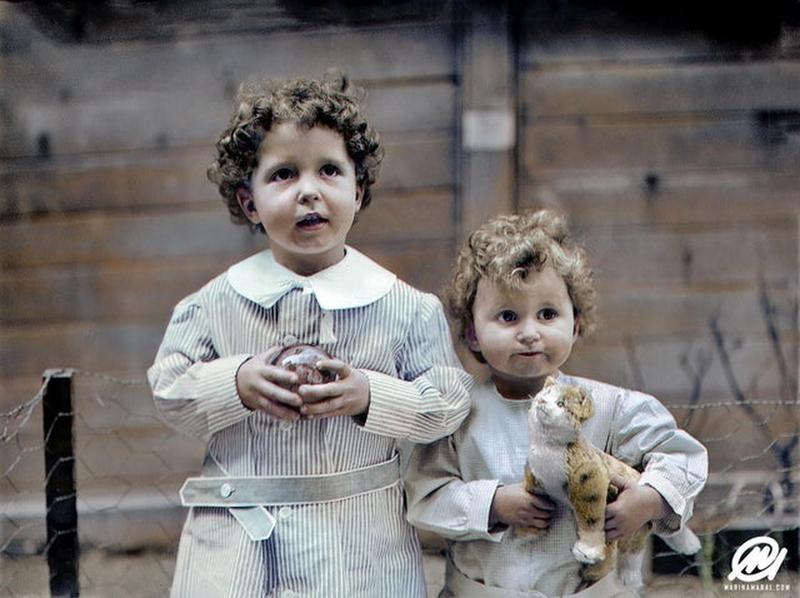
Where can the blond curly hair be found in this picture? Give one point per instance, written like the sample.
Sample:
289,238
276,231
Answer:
505,249
329,102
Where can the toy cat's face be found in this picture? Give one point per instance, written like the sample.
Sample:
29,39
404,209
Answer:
560,410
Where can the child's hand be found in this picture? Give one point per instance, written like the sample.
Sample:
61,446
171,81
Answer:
347,395
513,505
634,507
265,387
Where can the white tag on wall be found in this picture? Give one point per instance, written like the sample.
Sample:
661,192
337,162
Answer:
488,130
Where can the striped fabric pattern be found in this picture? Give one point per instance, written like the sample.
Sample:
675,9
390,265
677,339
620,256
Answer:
360,546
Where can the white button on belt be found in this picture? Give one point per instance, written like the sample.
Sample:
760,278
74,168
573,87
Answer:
225,490
284,513
289,339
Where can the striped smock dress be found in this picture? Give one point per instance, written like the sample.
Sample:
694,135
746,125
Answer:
362,314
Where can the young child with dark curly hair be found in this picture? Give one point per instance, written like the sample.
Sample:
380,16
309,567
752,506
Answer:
301,491
522,294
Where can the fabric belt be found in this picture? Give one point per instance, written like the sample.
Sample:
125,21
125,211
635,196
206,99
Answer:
246,497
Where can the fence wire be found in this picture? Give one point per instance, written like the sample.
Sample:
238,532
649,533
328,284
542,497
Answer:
129,467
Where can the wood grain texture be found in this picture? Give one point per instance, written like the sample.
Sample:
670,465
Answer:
672,142
155,95
659,198
177,178
626,87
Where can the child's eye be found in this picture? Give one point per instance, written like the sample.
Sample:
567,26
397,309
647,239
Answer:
330,170
507,316
548,313
282,174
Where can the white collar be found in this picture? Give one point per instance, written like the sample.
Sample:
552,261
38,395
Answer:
354,281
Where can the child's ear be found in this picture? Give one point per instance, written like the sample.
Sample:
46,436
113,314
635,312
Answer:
248,204
471,338
359,196
576,328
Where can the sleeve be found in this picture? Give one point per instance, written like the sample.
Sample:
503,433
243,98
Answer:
441,502
675,463
193,387
430,398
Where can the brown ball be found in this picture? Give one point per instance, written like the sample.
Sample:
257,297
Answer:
302,360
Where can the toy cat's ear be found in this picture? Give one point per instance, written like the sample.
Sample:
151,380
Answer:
549,381
585,407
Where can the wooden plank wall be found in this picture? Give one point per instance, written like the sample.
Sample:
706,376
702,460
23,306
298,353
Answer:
676,159
107,217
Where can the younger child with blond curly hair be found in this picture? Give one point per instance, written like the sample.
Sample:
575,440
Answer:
522,295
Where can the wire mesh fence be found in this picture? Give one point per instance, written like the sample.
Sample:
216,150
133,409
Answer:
128,467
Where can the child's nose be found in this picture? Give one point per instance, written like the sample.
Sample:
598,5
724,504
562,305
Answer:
307,189
529,332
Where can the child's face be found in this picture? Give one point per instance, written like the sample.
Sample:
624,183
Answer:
524,335
305,194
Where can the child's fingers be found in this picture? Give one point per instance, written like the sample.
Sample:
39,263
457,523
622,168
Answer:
542,502
535,512
324,408
277,410
619,481
335,413
533,521
612,523
278,394
613,534
335,366
279,376
313,393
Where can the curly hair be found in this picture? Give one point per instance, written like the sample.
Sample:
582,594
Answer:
330,102
505,249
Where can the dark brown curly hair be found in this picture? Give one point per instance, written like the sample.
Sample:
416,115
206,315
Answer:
330,102
505,249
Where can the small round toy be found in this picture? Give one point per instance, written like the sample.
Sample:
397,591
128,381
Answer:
302,360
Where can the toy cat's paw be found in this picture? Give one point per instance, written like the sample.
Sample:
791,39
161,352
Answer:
587,554
629,569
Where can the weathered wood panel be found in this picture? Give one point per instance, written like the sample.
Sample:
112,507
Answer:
108,237
136,96
29,349
627,88
655,365
103,290
555,49
670,142
701,260
657,313
667,198
677,165
177,177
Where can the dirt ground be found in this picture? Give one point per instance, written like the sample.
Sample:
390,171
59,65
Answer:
148,574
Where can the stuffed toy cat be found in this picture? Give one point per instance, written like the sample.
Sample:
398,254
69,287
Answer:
565,466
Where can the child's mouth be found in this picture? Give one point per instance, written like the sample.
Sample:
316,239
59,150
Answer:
311,221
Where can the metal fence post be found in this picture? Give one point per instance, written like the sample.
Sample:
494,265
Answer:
60,491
